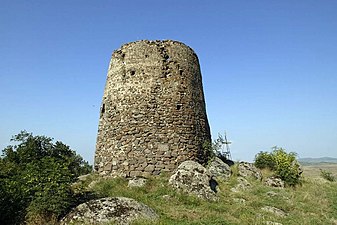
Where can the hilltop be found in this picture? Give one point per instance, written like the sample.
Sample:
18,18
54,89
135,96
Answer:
253,204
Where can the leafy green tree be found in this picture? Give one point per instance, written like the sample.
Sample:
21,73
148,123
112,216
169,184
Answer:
35,178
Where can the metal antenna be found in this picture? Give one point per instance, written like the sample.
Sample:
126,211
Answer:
227,153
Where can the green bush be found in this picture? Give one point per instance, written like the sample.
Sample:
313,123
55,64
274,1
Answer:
35,179
265,160
284,165
327,175
287,167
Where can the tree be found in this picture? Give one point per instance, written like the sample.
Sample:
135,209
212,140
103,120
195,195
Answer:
35,178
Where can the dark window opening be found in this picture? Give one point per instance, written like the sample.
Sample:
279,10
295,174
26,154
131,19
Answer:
102,109
181,72
146,56
166,57
179,106
132,72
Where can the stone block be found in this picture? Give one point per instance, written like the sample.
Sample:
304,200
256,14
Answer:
108,167
163,147
156,172
146,174
135,173
149,168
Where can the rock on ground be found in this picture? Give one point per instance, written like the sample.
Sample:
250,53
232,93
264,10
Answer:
119,210
274,182
272,223
246,169
275,211
271,194
242,185
239,201
219,169
192,178
137,182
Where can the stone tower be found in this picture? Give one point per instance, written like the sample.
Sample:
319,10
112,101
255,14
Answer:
153,114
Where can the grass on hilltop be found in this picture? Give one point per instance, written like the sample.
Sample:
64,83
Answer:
313,202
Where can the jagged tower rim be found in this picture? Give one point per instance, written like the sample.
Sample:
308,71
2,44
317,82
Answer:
163,41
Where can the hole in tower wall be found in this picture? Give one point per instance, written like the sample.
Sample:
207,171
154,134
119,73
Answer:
166,57
179,106
102,109
132,72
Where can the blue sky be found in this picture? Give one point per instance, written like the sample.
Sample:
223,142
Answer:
269,67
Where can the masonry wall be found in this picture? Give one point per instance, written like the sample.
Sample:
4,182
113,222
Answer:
153,114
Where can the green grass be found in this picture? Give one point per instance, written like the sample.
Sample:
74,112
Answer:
313,202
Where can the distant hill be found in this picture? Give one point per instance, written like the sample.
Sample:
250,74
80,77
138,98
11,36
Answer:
317,160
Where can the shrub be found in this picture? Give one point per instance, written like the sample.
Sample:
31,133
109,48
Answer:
287,167
35,179
283,164
264,160
327,175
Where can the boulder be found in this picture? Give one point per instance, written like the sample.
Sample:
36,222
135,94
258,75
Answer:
246,170
274,182
192,178
118,210
219,169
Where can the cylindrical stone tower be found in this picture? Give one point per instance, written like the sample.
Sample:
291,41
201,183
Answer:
153,114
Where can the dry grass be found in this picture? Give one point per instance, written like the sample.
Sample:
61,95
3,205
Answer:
314,170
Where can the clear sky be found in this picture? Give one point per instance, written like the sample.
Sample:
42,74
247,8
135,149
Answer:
269,67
